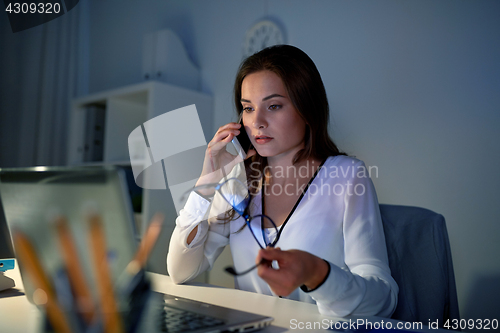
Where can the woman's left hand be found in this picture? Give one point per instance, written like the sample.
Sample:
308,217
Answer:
296,268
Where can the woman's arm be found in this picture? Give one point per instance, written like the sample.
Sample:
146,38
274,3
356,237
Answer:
365,285
296,269
186,260
197,240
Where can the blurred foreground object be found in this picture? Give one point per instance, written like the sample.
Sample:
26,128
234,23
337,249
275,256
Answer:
66,298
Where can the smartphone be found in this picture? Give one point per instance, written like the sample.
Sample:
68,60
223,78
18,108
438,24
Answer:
241,142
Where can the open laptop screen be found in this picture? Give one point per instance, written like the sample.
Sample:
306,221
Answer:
32,197
6,251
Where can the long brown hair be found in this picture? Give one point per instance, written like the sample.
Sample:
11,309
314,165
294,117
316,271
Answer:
307,93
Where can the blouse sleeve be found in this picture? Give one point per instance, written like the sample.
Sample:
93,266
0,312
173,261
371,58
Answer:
186,261
364,286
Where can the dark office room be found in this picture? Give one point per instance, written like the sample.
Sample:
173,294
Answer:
413,92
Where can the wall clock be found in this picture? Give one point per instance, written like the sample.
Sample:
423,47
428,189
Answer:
263,34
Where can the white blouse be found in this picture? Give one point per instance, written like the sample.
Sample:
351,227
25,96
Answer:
337,219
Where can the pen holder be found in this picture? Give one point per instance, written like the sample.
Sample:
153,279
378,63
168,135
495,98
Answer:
132,301
137,300
105,294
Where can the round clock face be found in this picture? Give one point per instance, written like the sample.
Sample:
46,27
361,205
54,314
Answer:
261,35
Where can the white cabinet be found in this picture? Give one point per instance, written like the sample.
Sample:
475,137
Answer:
118,113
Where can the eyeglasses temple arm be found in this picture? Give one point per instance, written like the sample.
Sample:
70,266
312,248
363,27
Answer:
232,271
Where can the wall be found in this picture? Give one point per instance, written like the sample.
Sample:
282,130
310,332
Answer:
413,88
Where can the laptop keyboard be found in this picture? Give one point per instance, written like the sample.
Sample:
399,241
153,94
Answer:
175,320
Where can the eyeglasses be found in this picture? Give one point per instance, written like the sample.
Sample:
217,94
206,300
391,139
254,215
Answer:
237,195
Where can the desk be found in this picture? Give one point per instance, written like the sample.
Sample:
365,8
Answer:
19,315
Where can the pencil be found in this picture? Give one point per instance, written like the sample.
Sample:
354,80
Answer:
74,269
27,257
149,240
124,283
112,320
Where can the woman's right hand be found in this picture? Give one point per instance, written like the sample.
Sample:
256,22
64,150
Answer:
217,157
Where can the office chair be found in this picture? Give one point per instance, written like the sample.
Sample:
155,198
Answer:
420,261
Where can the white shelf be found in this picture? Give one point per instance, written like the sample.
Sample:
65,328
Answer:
129,107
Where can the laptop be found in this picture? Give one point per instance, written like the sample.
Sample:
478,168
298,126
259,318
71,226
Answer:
6,251
31,198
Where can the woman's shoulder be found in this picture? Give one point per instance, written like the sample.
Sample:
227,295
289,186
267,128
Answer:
342,161
344,167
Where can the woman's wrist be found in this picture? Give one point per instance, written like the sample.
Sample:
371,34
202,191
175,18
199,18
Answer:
321,273
207,179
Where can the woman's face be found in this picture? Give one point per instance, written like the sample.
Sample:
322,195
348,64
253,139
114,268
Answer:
272,123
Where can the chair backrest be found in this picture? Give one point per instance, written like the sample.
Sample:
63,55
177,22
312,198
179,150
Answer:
420,261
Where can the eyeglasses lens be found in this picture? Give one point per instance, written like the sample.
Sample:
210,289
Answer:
263,229
266,227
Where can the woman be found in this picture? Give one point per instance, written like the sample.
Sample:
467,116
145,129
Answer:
330,246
